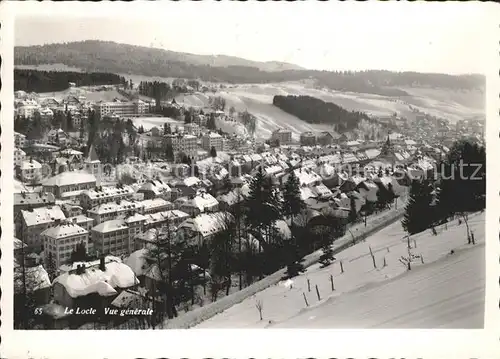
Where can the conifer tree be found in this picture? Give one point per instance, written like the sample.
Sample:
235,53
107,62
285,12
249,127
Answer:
418,216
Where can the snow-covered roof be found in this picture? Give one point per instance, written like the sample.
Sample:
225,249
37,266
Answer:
36,278
235,196
306,176
207,224
136,217
70,177
34,198
202,201
30,164
64,230
372,153
42,215
108,192
111,207
153,203
94,280
156,186
306,193
165,216
110,226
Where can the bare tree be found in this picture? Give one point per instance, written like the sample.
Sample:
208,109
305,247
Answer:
260,306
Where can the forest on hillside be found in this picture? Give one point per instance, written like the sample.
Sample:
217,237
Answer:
314,110
120,58
52,81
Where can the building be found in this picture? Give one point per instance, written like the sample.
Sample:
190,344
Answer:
95,196
57,136
117,236
83,221
192,129
93,284
212,140
282,136
93,165
183,145
149,206
156,189
113,210
61,240
19,157
204,227
203,202
121,108
31,171
308,138
27,111
28,200
31,223
69,185
162,219
19,140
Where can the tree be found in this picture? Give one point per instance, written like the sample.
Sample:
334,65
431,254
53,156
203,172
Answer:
188,117
353,214
232,110
141,129
68,123
218,103
292,205
211,122
222,255
417,217
167,130
79,254
169,152
213,152
249,121
51,266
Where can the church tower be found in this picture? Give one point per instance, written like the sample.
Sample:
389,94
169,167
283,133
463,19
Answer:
93,165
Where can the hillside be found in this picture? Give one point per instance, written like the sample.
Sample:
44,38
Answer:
446,291
94,55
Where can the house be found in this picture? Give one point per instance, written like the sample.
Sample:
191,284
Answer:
31,171
36,283
69,184
27,200
326,138
113,210
93,284
202,202
155,189
155,205
31,223
205,226
61,240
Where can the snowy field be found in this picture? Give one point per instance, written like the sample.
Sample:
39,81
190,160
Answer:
149,122
446,291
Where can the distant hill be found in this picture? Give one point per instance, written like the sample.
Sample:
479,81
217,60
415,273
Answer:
93,56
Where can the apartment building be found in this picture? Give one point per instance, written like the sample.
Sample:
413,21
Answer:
183,145
192,129
28,111
19,157
96,196
162,219
116,237
308,138
203,202
19,140
27,200
31,223
283,136
155,189
31,171
112,210
212,140
62,239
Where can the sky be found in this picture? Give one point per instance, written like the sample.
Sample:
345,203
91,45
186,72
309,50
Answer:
424,37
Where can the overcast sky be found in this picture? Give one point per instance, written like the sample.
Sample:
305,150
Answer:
422,37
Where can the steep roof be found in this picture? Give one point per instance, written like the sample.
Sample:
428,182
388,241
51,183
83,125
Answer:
92,157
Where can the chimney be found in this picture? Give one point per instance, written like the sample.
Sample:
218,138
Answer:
102,263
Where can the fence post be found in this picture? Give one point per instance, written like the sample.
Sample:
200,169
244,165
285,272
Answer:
385,263
308,285
422,259
414,243
317,292
341,267
374,263
305,299
331,280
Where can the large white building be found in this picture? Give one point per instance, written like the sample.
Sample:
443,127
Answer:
212,140
19,139
30,224
121,108
183,145
31,171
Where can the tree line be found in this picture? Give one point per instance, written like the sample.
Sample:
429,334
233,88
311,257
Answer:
459,190
52,81
119,58
314,110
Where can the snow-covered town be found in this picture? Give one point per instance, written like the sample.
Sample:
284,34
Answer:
89,230
156,189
